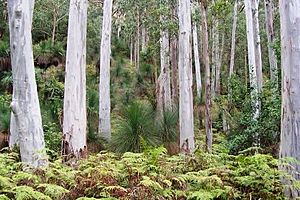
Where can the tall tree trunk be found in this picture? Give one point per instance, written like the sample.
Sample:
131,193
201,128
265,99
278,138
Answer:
164,86
186,118
131,50
215,50
138,44
258,59
104,85
174,70
144,38
75,119
26,121
252,59
208,116
233,38
290,116
54,27
271,38
197,61
219,66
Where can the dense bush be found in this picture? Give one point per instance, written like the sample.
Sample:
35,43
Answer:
242,125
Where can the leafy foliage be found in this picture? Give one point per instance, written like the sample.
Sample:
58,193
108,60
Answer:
148,175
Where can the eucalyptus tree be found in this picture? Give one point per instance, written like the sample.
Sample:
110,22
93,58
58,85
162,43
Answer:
233,37
196,52
269,17
26,122
104,84
290,116
164,100
186,118
208,116
75,118
252,61
257,43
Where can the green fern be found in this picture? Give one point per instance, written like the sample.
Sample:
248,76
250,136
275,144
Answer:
6,183
3,197
54,191
28,193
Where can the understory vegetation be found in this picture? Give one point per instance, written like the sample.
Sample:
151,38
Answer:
149,175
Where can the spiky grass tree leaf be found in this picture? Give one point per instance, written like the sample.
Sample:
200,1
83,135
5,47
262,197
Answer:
136,126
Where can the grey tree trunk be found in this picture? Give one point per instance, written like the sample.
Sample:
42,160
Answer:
197,61
208,116
219,66
26,121
215,51
290,116
258,59
75,119
174,71
271,38
104,85
251,41
186,118
164,100
233,38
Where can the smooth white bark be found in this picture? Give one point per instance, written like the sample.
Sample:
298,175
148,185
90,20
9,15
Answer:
26,122
197,61
186,118
233,38
104,85
290,116
75,118
219,65
251,57
258,59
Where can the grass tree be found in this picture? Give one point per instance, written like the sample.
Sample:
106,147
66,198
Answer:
26,122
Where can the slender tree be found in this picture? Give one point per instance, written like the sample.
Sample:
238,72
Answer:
271,37
197,60
164,81
208,117
186,118
252,62
233,38
104,85
290,59
257,44
26,121
75,118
